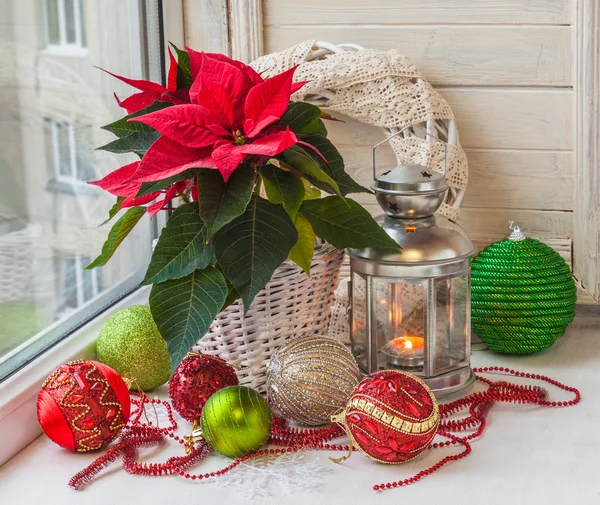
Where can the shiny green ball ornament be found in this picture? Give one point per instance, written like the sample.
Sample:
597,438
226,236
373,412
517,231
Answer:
523,295
129,342
236,421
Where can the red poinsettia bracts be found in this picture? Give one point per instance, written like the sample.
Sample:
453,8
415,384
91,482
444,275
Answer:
230,117
119,183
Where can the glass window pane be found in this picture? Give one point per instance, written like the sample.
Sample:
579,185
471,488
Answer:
401,325
359,320
82,23
52,110
451,323
70,28
52,27
63,148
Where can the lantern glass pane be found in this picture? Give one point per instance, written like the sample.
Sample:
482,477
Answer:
401,325
451,338
359,319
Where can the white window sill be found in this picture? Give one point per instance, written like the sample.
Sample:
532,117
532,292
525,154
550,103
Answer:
18,393
527,455
65,51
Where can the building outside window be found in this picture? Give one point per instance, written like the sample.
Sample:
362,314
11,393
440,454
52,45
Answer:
52,106
65,26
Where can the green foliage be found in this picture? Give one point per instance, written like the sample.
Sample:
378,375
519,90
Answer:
302,253
283,187
252,246
152,187
114,210
300,161
181,248
344,223
123,128
117,234
137,143
222,202
184,73
184,308
303,119
227,243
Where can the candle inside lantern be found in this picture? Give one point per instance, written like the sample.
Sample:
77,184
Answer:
406,351
410,344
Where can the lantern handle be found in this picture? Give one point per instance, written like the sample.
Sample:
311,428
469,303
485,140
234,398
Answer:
398,133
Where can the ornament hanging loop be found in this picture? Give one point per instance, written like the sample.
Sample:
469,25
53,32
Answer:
193,437
427,134
339,418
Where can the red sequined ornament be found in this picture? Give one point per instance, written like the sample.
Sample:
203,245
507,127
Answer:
391,417
83,405
195,380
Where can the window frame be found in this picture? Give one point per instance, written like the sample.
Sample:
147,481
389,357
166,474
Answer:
73,177
64,47
161,22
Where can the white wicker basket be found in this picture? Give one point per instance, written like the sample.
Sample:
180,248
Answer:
291,305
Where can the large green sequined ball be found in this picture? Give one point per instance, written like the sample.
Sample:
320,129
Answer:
129,342
523,295
236,421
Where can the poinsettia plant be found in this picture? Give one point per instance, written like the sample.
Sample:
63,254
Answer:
247,167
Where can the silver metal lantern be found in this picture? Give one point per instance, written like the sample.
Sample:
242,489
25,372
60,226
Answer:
410,310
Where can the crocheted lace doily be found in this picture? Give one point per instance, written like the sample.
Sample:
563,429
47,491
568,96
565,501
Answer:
383,89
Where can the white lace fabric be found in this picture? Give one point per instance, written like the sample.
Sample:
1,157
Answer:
383,89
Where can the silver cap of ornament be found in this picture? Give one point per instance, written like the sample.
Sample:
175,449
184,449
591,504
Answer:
516,235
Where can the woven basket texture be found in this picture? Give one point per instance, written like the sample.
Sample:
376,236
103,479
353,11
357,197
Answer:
291,305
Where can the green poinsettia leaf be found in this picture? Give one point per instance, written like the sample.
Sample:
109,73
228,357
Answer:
222,202
253,245
181,248
152,187
283,187
184,309
117,234
310,191
137,143
300,161
303,119
114,210
123,128
184,72
344,223
335,164
302,253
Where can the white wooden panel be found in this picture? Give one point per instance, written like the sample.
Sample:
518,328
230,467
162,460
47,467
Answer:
509,179
417,11
487,225
457,55
491,119
206,25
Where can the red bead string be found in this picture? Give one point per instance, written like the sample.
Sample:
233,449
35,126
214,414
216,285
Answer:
478,406
475,408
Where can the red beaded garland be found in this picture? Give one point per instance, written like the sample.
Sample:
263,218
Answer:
475,408
195,380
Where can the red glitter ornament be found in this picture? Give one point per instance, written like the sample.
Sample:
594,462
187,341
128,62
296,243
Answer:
197,378
391,417
83,405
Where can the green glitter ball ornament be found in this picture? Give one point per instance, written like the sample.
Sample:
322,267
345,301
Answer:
129,342
523,295
236,421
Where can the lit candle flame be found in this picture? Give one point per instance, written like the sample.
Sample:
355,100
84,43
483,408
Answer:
408,344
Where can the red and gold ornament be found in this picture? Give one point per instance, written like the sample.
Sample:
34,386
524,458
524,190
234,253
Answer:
391,417
195,380
83,405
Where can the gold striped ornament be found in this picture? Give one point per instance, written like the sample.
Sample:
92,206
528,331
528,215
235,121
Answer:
310,378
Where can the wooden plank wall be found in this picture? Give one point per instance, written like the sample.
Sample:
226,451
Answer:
505,67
